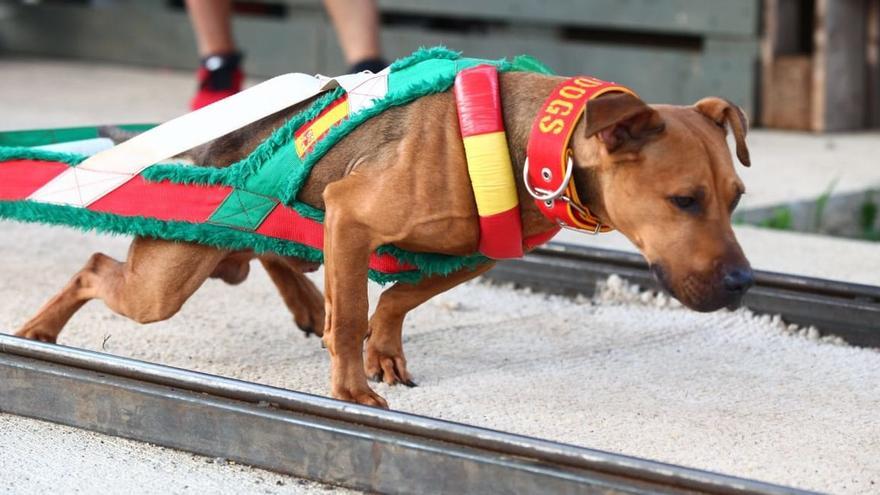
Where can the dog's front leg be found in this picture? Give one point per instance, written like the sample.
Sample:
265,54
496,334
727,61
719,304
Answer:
298,292
347,249
385,360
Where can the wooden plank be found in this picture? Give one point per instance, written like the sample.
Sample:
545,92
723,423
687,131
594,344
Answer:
786,95
839,74
703,17
786,67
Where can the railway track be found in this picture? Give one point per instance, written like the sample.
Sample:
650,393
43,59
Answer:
850,311
385,451
316,437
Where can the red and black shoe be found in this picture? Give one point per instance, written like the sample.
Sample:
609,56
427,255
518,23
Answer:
373,65
219,76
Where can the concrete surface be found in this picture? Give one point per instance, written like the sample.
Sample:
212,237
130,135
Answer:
725,392
792,166
39,457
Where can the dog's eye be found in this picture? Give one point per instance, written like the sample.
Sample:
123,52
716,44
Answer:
686,203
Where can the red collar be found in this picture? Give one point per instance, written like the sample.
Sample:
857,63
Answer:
547,172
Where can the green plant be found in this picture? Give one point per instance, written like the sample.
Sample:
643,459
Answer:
821,204
867,217
781,219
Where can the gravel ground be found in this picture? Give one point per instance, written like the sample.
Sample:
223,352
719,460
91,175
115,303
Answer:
727,392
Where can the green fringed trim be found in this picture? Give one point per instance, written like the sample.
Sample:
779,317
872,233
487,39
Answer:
188,174
528,63
308,211
425,53
18,153
389,278
40,137
212,235
433,263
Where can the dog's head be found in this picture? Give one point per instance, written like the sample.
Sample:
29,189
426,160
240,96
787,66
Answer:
663,176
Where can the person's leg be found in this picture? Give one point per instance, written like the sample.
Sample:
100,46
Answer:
211,21
357,28
220,73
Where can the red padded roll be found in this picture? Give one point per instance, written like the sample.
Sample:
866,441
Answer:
480,111
493,242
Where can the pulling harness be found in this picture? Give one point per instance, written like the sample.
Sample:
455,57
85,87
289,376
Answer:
252,204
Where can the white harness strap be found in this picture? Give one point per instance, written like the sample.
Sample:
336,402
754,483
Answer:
107,170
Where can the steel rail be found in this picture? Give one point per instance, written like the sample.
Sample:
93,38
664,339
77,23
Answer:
317,437
851,311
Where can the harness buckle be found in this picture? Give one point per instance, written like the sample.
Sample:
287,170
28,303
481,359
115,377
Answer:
583,213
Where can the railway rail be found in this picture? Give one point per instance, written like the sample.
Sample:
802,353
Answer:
385,451
319,438
850,311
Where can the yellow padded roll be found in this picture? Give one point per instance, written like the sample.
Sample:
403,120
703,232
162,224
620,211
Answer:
491,173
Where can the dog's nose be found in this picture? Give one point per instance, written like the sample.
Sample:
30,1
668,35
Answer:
739,280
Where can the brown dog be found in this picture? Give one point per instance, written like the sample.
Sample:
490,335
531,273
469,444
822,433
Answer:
662,175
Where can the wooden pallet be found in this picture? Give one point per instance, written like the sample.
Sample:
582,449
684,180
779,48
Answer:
820,64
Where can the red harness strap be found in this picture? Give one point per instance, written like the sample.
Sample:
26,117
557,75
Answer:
548,169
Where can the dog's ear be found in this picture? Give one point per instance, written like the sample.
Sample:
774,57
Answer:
622,121
726,114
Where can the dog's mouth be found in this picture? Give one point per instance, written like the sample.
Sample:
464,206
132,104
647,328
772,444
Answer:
662,279
733,306
695,293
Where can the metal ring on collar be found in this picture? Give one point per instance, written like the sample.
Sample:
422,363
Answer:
541,195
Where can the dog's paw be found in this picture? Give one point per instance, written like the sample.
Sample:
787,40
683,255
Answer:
387,367
308,330
364,396
310,318
38,334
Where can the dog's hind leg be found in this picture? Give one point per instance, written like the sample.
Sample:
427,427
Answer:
300,295
234,268
384,355
152,285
